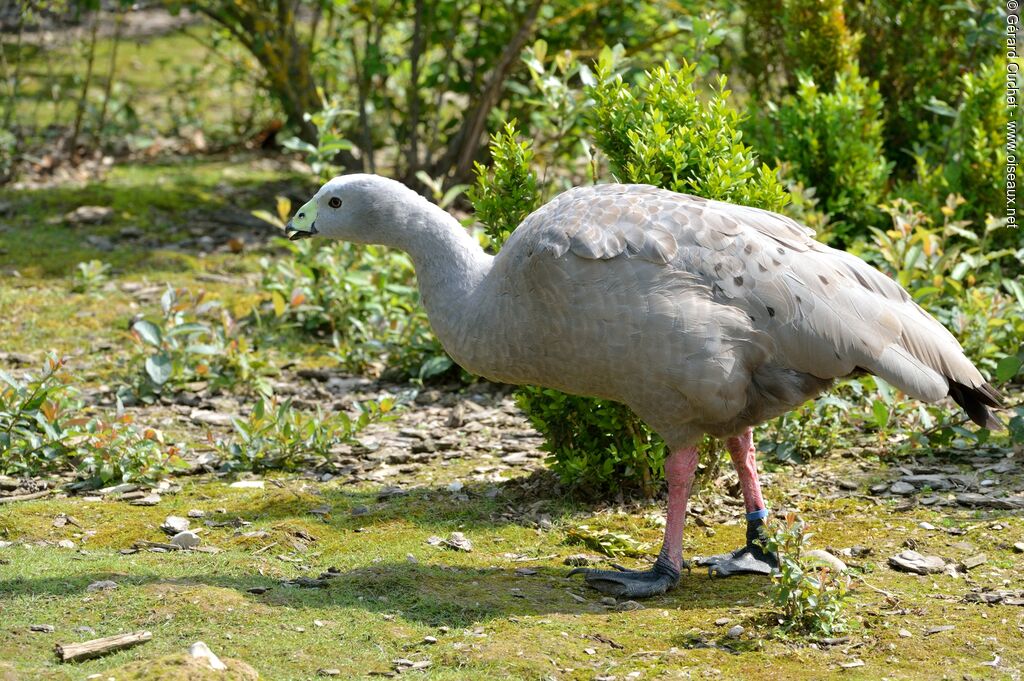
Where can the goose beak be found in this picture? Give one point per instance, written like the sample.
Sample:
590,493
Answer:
294,233
303,225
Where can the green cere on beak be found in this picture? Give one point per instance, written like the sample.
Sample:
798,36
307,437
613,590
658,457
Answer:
303,225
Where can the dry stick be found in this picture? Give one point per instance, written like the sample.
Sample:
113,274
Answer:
80,111
25,497
72,652
118,25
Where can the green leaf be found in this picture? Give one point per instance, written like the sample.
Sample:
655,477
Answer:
148,332
159,368
1008,367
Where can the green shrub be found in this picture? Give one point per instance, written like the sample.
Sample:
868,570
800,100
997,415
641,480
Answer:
276,435
783,38
810,597
967,156
363,299
663,132
833,141
194,339
44,428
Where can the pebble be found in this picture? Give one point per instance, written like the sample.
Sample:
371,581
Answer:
820,556
102,585
905,634
735,632
902,488
1019,547
247,484
186,540
926,526
66,544
430,640
722,621
175,524
42,628
195,513
912,561
329,672
148,500
201,651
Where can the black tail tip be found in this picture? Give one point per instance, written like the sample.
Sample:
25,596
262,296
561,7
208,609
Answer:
976,402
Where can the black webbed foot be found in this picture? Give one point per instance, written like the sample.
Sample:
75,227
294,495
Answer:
751,559
748,560
631,583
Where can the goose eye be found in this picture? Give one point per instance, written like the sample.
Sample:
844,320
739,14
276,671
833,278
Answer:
335,202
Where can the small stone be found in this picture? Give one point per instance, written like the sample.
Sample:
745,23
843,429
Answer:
735,632
1019,547
580,560
409,558
89,215
196,513
826,558
430,640
329,672
42,628
848,485
972,562
608,600
148,500
175,524
458,542
904,633
186,539
926,526
902,488
247,484
66,544
879,488
258,590
102,585
201,651
626,606
852,664
211,418
722,621
938,630
912,561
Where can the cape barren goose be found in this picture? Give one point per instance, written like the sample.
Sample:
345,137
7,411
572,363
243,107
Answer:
702,316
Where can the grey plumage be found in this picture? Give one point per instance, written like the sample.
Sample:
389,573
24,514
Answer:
703,316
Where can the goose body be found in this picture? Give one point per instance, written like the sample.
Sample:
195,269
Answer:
702,316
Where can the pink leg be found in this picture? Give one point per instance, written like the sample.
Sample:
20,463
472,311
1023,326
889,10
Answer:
680,467
742,451
751,558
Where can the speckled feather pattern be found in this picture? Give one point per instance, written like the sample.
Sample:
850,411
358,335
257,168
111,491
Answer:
702,316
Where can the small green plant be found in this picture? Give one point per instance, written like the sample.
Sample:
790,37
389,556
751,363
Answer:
810,597
36,413
90,276
44,428
194,339
276,435
363,299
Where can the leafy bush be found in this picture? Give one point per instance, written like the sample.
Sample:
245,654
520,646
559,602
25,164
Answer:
833,140
786,37
276,435
662,132
811,598
363,298
967,156
194,339
44,428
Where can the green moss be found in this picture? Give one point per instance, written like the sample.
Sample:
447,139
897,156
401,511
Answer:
499,622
